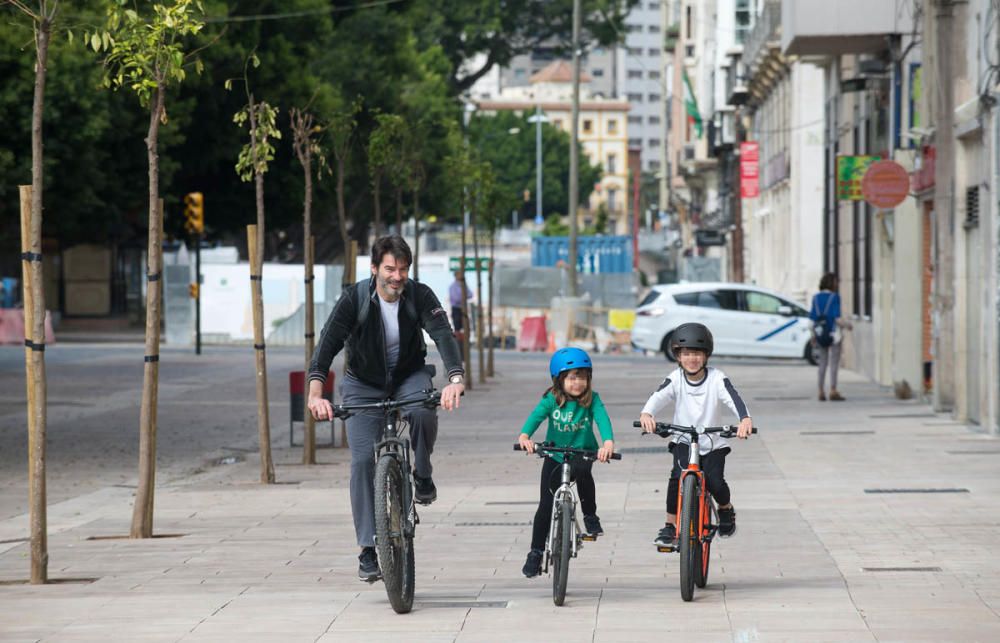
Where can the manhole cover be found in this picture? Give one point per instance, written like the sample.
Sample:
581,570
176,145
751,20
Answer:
900,569
644,450
461,604
836,432
916,491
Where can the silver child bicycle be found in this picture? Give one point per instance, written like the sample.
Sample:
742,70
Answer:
565,535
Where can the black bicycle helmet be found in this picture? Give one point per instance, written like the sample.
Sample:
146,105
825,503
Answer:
692,335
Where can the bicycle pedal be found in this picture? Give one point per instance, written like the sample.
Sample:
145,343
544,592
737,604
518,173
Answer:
589,538
666,550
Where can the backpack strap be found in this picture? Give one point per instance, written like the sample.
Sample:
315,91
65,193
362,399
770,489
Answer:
364,302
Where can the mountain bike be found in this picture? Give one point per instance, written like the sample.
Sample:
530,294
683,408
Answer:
396,517
698,518
565,536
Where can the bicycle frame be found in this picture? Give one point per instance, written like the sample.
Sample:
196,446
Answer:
565,490
706,504
399,447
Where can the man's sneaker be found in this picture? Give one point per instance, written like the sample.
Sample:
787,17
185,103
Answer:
593,525
368,569
727,522
533,564
667,536
424,490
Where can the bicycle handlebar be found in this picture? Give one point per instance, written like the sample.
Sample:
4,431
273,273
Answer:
664,429
542,448
428,398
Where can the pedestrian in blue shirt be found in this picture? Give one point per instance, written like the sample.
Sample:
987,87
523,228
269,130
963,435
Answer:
827,336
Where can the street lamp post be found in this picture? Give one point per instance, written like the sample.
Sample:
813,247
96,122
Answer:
538,119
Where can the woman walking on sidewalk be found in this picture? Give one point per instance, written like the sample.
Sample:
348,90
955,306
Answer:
827,335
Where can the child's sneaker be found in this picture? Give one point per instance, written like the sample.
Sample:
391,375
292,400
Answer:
727,522
533,565
667,536
593,525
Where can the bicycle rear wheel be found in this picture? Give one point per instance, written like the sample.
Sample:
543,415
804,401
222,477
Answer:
688,536
562,549
395,549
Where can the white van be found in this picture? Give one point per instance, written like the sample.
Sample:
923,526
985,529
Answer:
746,321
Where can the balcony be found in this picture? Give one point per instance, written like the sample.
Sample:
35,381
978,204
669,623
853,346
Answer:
736,85
824,28
766,35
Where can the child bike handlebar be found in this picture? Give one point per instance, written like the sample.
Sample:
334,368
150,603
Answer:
665,430
428,398
543,448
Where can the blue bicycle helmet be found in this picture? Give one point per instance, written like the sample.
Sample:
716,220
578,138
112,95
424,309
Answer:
566,359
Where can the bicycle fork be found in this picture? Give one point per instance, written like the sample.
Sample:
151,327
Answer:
562,493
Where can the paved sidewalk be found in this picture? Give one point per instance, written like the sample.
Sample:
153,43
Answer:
816,557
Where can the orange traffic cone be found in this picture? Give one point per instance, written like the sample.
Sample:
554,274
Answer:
552,343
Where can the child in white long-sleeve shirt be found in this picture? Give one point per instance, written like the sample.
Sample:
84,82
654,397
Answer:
699,394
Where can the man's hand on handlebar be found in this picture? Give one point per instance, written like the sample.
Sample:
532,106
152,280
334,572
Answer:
320,407
526,444
450,396
648,423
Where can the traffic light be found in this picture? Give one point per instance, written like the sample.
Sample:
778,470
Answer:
193,291
194,213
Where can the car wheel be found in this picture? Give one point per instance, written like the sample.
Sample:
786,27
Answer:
811,354
665,347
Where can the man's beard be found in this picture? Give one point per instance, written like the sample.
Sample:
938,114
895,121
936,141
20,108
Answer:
389,289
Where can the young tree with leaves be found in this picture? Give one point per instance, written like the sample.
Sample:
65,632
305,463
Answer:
145,51
341,127
42,17
262,121
305,141
384,148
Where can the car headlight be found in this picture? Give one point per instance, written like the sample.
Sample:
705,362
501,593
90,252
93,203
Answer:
651,312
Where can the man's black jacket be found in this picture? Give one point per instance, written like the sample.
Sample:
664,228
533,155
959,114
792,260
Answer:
366,355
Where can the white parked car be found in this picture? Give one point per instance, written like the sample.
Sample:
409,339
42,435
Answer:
745,320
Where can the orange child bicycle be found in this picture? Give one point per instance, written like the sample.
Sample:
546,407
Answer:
698,519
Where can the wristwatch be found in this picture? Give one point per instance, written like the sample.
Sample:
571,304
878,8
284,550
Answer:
456,379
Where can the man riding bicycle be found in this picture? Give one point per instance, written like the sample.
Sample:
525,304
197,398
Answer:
381,321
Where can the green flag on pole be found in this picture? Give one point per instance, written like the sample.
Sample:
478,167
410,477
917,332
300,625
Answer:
691,105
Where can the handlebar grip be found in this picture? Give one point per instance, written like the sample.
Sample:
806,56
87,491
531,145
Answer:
517,447
616,456
637,424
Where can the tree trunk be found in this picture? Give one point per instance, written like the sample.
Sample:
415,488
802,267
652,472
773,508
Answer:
309,247
341,210
489,314
256,252
142,511
479,300
416,235
399,211
34,316
376,192
466,335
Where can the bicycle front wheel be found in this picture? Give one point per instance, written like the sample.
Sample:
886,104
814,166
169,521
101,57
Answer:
689,535
395,548
562,549
705,551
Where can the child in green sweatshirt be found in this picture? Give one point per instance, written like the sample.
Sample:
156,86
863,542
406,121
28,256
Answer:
572,407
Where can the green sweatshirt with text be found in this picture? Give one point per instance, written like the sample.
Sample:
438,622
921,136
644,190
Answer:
572,425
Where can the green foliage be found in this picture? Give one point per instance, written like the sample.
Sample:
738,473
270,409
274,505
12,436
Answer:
513,157
146,52
554,227
385,148
259,152
600,225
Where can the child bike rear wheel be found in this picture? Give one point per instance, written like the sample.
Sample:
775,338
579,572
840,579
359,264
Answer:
562,549
689,537
395,547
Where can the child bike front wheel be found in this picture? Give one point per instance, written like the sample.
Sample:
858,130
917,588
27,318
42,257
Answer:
562,549
689,536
